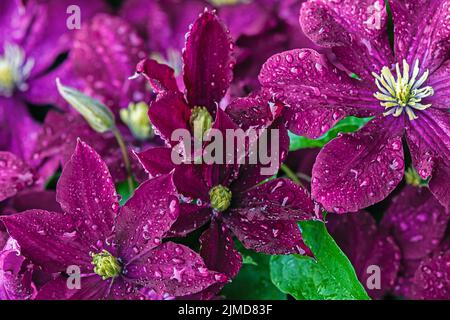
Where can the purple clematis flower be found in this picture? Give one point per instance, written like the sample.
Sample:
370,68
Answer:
262,216
208,63
32,36
405,91
119,250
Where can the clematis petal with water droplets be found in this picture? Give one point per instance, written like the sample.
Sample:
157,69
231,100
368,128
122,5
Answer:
172,269
218,251
192,216
87,193
208,61
220,254
92,288
105,53
354,29
369,250
358,169
432,278
15,175
317,95
15,277
49,239
160,76
226,169
429,142
124,290
427,38
169,113
156,161
146,217
277,199
417,221
268,236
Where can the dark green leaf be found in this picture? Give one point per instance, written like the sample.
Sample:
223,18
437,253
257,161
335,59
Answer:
329,276
124,191
349,124
253,281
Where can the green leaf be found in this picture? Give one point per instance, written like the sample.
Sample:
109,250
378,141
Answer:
97,115
253,281
124,191
330,276
349,124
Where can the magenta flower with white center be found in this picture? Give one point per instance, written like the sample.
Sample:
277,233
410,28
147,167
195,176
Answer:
405,90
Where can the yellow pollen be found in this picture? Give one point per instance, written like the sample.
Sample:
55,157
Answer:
404,92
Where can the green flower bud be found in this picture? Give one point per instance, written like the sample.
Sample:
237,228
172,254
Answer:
106,265
136,118
200,121
99,117
220,198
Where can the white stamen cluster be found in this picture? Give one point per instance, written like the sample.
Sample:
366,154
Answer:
405,92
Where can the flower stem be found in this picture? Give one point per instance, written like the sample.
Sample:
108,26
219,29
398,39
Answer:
291,174
126,159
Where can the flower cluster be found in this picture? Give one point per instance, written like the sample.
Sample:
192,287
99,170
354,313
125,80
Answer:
154,150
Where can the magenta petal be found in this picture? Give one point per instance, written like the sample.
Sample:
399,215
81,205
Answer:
220,254
18,130
49,239
172,269
432,278
160,76
124,290
15,175
359,169
439,184
156,161
192,216
92,288
15,277
428,138
222,173
105,53
40,199
354,29
271,237
317,95
86,191
357,235
218,251
208,62
277,199
169,113
190,182
414,38
146,217
417,221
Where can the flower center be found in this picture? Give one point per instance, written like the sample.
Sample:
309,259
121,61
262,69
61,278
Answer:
200,121
404,93
106,265
14,69
220,198
136,118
